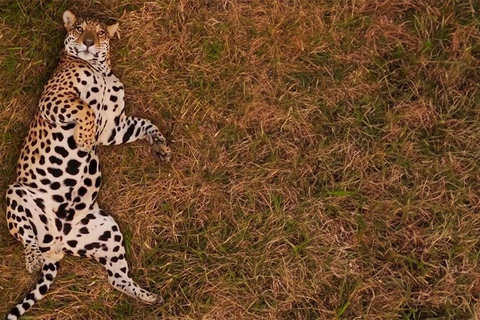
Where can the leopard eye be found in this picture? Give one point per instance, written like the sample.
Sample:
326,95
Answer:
101,33
79,29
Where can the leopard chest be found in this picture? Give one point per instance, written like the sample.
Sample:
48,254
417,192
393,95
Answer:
104,93
51,162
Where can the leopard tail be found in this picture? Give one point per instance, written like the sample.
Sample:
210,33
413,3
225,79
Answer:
49,271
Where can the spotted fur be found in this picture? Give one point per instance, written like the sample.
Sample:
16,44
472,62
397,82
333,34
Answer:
52,207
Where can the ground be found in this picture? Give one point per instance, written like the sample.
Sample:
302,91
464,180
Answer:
325,158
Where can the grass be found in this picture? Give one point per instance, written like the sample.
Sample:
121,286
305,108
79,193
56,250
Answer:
325,166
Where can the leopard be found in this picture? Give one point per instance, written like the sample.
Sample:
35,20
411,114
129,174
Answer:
52,207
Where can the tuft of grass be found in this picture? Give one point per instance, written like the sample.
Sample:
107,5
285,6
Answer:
325,158
213,50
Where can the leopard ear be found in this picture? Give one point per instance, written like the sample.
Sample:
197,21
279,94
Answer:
68,19
113,30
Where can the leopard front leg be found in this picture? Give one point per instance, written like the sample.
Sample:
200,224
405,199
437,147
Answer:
64,108
84,132
129,129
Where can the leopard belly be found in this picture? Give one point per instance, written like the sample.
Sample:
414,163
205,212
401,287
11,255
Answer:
66,179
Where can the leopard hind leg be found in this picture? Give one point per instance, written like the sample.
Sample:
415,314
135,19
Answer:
25,220
98,236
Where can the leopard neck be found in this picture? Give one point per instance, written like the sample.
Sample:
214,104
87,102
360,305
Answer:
103,66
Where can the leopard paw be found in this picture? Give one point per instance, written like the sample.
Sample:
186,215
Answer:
85,139
162,151
150,298
33,259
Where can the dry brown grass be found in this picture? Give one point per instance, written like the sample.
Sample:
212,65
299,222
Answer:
325,158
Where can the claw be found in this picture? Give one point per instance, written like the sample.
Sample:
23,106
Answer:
159,300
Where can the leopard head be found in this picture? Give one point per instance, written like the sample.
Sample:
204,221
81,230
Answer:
88,38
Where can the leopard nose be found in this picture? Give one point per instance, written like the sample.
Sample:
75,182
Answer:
88,42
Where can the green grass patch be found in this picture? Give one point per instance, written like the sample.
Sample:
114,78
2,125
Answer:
325,159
